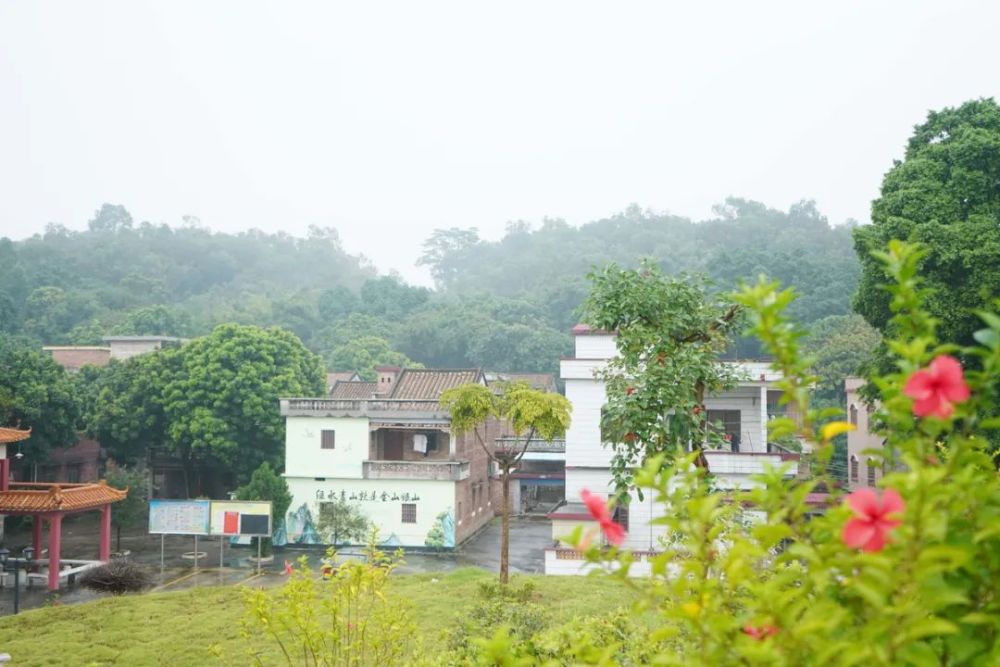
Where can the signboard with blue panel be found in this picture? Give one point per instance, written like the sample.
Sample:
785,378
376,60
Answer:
179,517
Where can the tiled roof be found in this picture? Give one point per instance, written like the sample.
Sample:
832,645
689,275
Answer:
540,381
24,498
14,434
339,376
353,391
416,383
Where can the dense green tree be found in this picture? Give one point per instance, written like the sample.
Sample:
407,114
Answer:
443,252
36,393
841,346
212,403
389,296
266,484
352,327
222,406
336,303
670,333
110,218
363,355
519,347
158,320
945,194
125,404
133,511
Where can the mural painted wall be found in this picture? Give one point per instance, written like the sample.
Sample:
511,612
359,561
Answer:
408,513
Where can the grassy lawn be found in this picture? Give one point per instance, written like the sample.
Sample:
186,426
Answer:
176,628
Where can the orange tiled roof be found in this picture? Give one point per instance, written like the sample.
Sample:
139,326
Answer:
13,434
30,497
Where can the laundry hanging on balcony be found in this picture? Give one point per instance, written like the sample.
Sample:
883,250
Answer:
420,443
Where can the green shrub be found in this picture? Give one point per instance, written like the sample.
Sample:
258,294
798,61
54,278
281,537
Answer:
907,575
346,620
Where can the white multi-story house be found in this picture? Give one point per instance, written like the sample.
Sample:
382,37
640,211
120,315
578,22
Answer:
386,448
743,411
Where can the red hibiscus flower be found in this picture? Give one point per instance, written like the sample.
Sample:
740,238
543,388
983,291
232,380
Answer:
288,567
937,388
631,437
598,509
629,391
871,525
760,632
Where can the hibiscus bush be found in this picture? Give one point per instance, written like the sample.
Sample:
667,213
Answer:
906,574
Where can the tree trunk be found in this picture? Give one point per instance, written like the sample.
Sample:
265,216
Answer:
186,468
505,526
118,538
699,392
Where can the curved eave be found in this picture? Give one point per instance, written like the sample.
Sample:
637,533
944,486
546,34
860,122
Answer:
46,498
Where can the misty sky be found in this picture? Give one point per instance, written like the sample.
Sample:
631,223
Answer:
387,120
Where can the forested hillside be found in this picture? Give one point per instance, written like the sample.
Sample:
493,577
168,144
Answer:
547,266
503,305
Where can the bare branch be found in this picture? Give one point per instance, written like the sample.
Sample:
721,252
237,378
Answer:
531,434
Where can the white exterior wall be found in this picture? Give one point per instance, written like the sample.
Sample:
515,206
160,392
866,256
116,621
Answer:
753,419
304,456
595,346
561,562
434,498
315,474
584,432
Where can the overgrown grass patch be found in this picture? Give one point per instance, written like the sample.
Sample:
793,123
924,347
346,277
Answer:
178,628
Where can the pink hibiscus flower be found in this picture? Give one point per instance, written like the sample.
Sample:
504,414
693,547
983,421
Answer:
937,388
598,509
760,632
870,526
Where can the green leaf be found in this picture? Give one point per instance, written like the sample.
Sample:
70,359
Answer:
930,627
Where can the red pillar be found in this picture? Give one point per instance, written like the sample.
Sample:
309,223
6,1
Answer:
105,552
55,539
36,535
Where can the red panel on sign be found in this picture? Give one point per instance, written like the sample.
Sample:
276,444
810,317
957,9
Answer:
231,523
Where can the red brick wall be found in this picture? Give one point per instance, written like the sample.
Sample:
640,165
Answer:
84,457
469,518
73,360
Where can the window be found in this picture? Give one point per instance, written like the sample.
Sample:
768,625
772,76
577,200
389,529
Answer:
728,421
854,468
327,439
432,442
409,513
854,414
871,472
73,474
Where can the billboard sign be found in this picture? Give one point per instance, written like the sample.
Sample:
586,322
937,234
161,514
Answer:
179,517
241,518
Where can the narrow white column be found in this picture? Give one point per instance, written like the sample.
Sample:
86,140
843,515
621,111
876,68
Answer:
763,418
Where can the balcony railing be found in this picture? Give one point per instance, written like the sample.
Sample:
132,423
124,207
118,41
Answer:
335,407
443,471
536,446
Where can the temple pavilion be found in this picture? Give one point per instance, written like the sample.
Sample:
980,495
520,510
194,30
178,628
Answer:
50,503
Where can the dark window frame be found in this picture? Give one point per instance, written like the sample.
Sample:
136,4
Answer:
408,512
323,443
